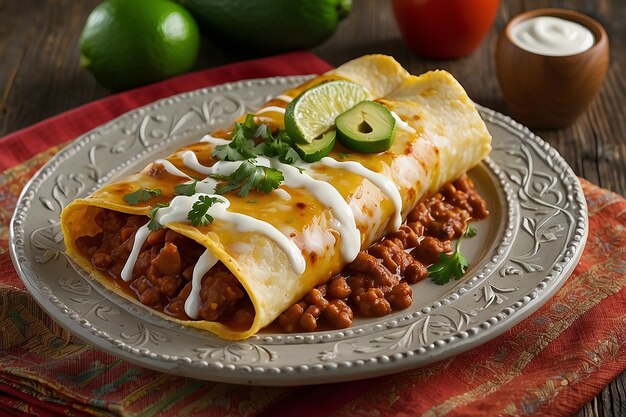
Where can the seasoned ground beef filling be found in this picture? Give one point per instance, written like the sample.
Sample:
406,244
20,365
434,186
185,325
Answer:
375,284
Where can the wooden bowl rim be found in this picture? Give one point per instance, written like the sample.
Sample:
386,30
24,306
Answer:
593,25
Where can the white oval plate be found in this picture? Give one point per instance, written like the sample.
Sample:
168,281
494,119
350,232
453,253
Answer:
522,254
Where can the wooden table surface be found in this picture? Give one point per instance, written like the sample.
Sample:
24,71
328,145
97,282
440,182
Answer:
40,77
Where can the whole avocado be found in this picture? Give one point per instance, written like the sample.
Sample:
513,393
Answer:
269,25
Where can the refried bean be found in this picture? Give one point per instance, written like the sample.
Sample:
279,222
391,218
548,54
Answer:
375,284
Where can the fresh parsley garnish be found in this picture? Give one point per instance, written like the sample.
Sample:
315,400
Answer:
453,265
187,188
344,155
199,216
250,177
242,145
153,224
142,194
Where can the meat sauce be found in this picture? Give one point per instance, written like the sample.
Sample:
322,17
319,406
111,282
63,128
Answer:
375,284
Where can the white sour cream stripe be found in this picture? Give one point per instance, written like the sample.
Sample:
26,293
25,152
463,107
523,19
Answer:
282,194
181,205
328,195
324,192
192,304
381,181
140,237
190,160
402,125
214,140
284,98
268,109
171,168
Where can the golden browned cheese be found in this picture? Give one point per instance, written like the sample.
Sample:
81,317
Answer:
446,138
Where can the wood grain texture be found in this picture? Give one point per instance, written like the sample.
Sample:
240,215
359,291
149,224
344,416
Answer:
40,77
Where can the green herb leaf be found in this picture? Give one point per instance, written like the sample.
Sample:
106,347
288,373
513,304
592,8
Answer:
250,177
186,188
453,265
199,216
141,195
153,224
344,155
279,146
242,145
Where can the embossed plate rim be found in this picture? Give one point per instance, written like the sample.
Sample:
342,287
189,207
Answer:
253,371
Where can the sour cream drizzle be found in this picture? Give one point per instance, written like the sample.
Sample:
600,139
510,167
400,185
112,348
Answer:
171,168
344,221
140,237
192,304
181,205
214,140
268,109
329,196
402,125
282,194
324,192
385,184
284,98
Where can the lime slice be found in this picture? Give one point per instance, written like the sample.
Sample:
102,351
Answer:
313,112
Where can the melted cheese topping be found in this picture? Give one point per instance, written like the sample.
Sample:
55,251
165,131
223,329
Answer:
385,184
343,213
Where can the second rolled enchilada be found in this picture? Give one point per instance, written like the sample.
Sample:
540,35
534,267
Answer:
281,244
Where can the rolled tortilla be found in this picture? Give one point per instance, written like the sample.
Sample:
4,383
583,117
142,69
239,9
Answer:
439,136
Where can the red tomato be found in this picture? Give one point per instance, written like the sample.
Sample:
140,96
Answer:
444,28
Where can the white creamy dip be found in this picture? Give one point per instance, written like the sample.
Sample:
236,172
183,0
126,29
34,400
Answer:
552,36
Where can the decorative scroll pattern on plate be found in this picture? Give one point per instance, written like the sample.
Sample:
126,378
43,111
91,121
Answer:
536,246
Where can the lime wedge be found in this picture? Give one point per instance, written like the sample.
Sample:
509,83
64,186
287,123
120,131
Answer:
313,112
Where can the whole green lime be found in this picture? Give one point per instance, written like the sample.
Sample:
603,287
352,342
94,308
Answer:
128,43
269,25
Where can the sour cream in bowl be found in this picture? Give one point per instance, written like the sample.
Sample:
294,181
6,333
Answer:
552,36
550,65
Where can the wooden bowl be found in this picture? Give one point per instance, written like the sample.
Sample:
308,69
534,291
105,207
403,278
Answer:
549,92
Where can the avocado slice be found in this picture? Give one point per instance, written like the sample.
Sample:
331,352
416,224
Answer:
368,127
319,148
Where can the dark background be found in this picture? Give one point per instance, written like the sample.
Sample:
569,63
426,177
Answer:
40,77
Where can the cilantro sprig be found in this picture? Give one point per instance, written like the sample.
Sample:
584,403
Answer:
244,143
250,177
453,265
141,195
187,188
199,213
153,224
277,146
